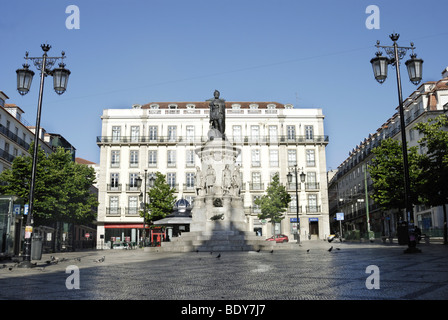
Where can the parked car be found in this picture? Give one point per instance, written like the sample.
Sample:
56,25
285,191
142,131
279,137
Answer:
279,238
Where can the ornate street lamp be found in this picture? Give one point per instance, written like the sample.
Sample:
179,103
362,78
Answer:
302,179
414,67
379,65
24,79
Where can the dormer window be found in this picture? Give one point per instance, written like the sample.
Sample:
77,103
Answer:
172,106
154,106
236,106
271,106
253,106
288,106
191,106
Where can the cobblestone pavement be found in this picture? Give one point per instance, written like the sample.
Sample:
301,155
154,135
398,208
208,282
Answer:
310,272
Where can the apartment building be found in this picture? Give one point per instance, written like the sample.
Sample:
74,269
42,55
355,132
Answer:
163,136
350,188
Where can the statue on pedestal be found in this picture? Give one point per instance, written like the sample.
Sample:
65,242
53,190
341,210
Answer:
210,179
226,180
218,113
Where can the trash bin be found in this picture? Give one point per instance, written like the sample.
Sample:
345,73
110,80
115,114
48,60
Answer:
36,247
403,233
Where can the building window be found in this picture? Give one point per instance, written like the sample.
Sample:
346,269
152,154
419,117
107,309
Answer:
133,205
255,132
133,180
293,203
115,158
256,181
116,133
311,180
172,133
190,158
291,132
190,133
152,158
273,158
312,203
135,133
171,179
310,158
292,158
256,158
133,159
236,133
113,205
152,133
273,133
189,178
114,180
309,132
171,158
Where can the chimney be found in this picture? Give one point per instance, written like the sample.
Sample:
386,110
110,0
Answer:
445,73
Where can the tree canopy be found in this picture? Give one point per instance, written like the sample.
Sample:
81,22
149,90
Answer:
161,200
274,203
62,187
387,174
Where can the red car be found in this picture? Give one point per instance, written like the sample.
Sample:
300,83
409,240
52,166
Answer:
279,238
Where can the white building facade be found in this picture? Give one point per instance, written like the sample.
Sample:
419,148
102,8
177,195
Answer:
162,136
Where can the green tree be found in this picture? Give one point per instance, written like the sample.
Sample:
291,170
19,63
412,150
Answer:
434,164
274,203
161,200
387,174
62,187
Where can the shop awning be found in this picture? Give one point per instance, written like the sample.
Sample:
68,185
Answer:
173,220
125,226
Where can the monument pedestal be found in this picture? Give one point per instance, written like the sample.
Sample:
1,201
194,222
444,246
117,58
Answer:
218,219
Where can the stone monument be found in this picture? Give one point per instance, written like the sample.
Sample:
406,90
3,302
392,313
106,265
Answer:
218,219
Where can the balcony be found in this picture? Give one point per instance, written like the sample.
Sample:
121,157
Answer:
132,188
195,140
132,212
114,187
312,186
113,212
313,209
256,186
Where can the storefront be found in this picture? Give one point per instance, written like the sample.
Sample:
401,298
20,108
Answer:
119,235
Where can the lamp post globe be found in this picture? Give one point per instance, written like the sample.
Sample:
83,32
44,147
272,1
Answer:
60,79
415,69
379,65
24,79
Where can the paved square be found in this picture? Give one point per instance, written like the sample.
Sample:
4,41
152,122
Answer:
310,272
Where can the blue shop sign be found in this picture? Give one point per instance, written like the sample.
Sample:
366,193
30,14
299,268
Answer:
314,219
293,220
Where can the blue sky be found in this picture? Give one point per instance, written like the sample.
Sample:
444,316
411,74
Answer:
313,54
